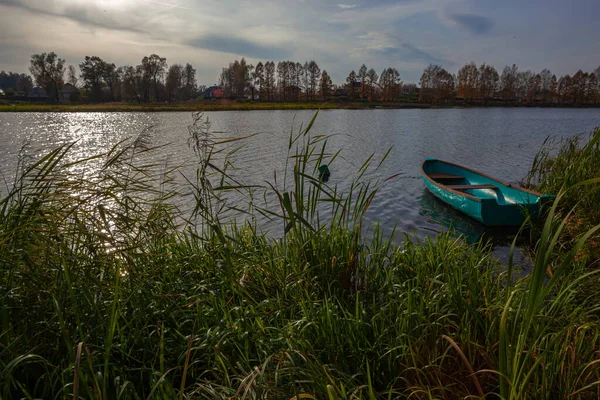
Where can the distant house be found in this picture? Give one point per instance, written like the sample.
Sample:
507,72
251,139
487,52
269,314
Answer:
68,90
38,93
340,92
213,92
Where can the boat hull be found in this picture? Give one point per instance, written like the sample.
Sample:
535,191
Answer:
483,198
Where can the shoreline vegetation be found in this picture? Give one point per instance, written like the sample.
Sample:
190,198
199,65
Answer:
249,106
107,291
154,82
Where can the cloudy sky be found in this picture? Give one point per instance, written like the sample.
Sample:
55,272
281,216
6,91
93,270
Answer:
340,35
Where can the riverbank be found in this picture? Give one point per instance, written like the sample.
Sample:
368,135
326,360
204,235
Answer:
105,294
200,106
231,105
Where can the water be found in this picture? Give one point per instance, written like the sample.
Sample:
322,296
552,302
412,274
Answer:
498,141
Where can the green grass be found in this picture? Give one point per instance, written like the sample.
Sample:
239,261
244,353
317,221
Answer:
107,291
561,164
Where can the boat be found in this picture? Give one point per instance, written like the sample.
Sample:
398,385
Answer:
488,200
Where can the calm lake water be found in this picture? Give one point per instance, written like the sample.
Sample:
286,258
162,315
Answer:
499,141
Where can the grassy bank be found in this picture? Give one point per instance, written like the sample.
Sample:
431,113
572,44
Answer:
108,292
197,106
566,163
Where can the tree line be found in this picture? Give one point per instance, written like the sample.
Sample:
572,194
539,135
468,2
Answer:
297,81
153,79
484,84
99,80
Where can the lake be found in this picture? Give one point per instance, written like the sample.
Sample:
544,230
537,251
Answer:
498,141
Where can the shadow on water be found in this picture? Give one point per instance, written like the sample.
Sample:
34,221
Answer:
448,219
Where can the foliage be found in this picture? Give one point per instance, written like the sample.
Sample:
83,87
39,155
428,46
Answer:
561,164
48,71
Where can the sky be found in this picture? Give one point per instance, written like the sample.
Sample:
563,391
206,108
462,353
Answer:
340,35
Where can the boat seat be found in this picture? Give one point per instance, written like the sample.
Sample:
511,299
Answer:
445,176
467,187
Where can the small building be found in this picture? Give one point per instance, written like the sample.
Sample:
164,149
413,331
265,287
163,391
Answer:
213,92
38,93
68,90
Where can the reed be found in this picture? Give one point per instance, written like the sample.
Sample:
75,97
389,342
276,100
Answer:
108,291
564,163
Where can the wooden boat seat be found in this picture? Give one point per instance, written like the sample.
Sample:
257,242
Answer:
445,176
467,187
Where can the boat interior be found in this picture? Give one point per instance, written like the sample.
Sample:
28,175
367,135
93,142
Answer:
479,189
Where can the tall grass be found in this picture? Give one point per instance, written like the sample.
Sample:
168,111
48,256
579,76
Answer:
564,163
107,291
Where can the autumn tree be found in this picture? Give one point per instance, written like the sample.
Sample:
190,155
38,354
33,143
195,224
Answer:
48,71
565,84
508,82
553,87
525,86
372,82
390,83
362,76
298,77
314,73
325,85
259,79
488,81
351,84
437,84
282,79
468,77
597,76
269,79
578,84
236,78
591,89
546,85
428,83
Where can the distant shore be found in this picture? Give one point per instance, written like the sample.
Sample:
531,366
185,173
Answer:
200,106
248,106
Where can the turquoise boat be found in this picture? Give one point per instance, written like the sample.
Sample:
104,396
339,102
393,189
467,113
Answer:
486,199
